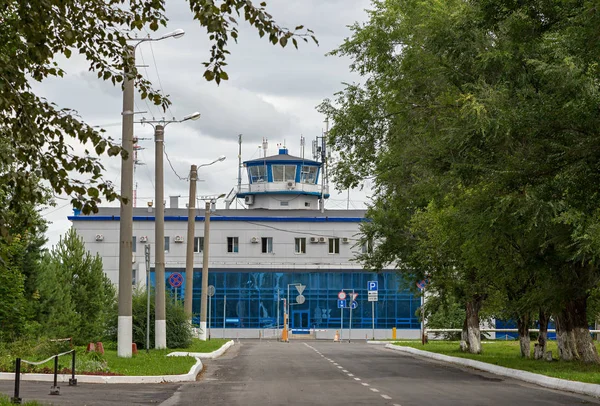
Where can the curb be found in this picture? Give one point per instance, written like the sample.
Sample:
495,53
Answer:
203,355
189,377
582,388
64,378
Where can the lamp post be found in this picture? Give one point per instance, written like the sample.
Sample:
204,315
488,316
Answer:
204,297
191,228
125,320
160,321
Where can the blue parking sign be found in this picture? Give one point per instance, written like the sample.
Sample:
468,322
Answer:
341,304
372,286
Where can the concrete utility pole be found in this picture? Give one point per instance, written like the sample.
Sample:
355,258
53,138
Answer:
204,297
189,259
125,321
160,323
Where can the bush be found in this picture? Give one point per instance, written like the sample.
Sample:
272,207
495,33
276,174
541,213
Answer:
179,332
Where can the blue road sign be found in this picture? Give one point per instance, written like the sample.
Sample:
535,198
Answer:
175,280
372,286
341,304
354,304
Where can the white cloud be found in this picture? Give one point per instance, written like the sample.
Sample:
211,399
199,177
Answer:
272,92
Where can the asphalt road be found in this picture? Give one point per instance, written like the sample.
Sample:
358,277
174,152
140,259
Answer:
314,373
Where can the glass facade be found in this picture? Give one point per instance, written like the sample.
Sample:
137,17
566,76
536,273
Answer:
250,299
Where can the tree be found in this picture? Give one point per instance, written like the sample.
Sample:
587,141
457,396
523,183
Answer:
489,99
76,296
34,34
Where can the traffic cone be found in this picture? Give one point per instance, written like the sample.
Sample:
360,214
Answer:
336,338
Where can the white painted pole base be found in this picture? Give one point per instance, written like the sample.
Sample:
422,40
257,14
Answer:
124,336
160,334
202,331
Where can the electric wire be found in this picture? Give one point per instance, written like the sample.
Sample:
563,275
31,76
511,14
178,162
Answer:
171,165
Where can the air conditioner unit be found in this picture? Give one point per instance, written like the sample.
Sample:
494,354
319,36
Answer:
321,239
178,238
345,240
99,237
144,239
314,239
291,184
249,200
254,240
133,257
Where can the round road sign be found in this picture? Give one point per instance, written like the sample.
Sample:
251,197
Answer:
342,295
300,299
175,280
211,290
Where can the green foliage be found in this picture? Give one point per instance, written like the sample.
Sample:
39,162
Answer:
76,298
12,288
179,333
33,36
479,123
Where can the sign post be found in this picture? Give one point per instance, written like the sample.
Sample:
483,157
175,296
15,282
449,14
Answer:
175,280
211,293
372,290
353,305
224,308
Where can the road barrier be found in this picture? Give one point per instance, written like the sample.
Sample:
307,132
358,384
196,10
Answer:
55,389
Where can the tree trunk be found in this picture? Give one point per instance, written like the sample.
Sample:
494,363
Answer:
565,352
540,347
473,333
581,334
524,339
464,338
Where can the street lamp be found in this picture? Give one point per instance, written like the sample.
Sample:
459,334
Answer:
160,323
191,228
204,297
125,320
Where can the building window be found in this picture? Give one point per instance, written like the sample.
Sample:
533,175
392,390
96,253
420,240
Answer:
232,244
283,173
258,173
308,174
267,245
133,276
334,245
167,241
300,245
367,247
133,244
198,244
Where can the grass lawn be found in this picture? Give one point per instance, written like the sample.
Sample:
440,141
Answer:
5,401
507,354
156,362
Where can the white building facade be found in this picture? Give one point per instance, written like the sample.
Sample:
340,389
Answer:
257,254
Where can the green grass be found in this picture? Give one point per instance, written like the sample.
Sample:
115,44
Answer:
507,354
156,362
5,401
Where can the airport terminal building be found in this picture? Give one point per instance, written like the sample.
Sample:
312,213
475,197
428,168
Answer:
258,253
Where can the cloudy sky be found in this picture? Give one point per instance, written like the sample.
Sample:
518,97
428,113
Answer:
272,93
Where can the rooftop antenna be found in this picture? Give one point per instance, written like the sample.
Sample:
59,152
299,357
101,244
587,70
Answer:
239,167
265,146
302,142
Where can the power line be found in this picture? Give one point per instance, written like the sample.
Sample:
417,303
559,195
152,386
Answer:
171,165
158,76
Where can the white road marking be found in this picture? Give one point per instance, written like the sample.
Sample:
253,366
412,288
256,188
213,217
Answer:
386,397
374,390
396,404
365,384
345,370
350,374
357,379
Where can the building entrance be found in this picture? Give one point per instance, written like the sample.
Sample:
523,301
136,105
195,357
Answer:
300,319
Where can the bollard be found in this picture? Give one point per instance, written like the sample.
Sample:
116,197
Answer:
55,390
73,380
16,399
393,333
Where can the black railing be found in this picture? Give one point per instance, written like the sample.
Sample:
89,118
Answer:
54,389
